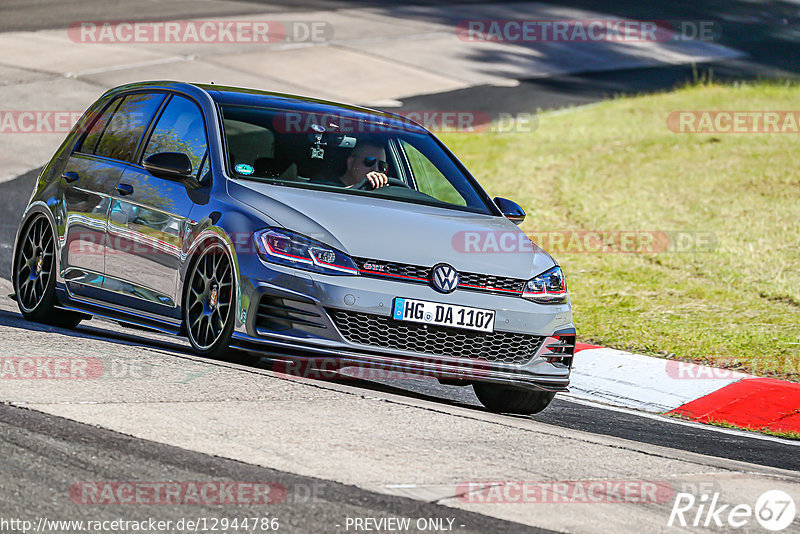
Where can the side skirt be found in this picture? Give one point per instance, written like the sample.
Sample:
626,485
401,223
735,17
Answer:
107,311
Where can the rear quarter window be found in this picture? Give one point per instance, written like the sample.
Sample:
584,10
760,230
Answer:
89,143
127,126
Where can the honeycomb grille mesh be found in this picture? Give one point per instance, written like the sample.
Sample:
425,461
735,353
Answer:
384,332
509,286
397,269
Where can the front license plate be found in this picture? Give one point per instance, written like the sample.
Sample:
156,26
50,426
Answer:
422,311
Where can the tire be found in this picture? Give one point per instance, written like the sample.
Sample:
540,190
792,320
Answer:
505,399
34,276
208,310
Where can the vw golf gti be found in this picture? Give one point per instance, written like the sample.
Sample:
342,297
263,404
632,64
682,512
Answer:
296,228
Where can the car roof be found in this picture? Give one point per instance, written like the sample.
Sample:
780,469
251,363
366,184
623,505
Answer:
223,94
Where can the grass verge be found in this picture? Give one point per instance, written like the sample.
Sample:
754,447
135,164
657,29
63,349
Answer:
616,166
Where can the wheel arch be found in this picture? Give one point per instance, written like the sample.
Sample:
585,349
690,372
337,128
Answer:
209,236
31,212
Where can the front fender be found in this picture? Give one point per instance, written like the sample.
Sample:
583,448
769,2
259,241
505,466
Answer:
234,229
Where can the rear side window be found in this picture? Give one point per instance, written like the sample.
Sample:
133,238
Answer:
90,141
180,129
125,130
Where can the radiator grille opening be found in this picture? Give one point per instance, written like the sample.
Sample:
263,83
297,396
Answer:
385,332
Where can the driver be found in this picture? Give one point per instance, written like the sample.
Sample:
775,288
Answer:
366,161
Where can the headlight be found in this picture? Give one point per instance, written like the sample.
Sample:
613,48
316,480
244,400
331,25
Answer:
294,250
550,287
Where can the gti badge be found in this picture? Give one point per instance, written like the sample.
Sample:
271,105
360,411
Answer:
444,278
374,267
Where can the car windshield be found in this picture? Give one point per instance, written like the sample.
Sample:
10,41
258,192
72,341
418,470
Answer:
336,152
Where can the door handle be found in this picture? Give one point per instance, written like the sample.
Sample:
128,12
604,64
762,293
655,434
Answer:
71,177
125,189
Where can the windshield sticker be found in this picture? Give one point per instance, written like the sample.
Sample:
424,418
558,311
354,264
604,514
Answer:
244,169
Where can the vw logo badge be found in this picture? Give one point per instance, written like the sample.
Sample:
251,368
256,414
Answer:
444,278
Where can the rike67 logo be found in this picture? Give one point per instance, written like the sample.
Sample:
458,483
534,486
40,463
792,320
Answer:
774,510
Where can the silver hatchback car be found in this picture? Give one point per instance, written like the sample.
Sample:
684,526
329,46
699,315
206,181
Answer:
304,230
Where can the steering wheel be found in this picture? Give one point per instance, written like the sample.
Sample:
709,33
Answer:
364,185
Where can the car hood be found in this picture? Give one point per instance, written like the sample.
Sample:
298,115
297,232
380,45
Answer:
395,231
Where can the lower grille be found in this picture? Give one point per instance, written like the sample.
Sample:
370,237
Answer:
384,332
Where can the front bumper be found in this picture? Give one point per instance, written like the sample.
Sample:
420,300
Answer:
308,332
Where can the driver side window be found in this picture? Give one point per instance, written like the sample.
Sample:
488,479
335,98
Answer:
180,129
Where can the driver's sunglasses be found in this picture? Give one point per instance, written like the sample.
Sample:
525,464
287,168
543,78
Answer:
382,165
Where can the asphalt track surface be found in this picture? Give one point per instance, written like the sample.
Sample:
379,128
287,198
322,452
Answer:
43,455
765,30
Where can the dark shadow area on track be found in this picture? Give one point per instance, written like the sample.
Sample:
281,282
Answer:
765,30
77,452
562,412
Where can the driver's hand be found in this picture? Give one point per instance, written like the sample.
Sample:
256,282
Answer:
377,179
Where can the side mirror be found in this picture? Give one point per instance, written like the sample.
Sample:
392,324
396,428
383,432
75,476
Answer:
511,210
170,165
